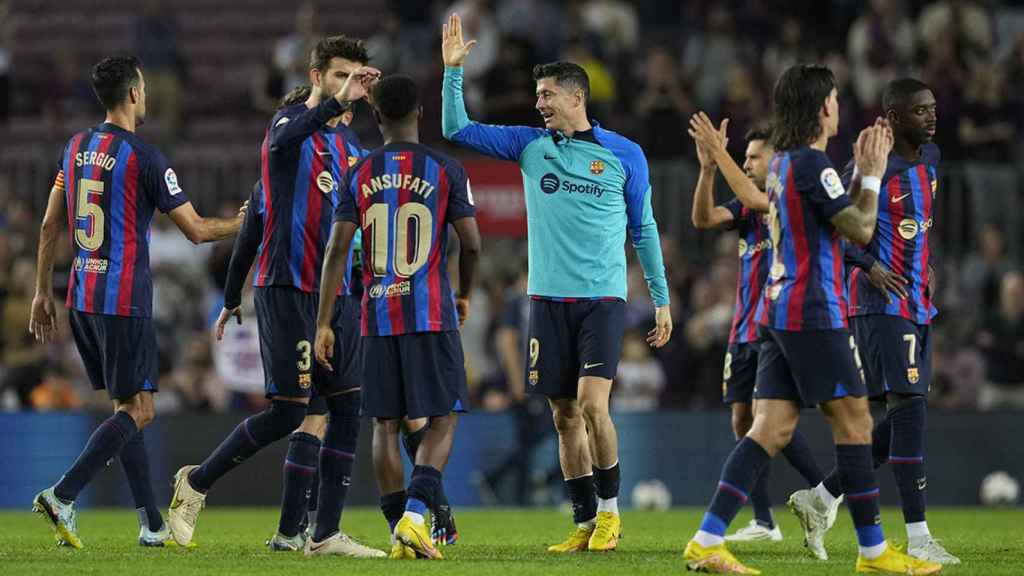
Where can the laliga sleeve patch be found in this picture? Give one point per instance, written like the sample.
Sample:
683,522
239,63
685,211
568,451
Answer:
171,179
469,193
831,183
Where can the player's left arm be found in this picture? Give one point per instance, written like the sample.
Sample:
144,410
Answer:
643,231
462,215
43,320
714,142
346,222
161,184
243,254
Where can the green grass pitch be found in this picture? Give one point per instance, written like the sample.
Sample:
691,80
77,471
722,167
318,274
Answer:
494,541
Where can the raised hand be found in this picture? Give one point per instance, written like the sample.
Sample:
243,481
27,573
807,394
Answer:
453,49
710,140
358,85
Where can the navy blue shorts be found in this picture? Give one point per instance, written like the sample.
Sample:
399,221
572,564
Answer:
740,372
570,340
287,327
897,354
119,352
415,375
809,368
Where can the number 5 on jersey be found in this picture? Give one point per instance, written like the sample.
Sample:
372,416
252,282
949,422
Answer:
391,240
89,215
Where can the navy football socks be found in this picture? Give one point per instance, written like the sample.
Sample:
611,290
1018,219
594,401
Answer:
105,443
248,438
799,455
744,465
135,463
857,474
300,467
393,506
583,496
422,488
907,456
760,500
336,458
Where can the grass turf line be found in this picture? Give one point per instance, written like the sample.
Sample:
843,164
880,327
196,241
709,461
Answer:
493,541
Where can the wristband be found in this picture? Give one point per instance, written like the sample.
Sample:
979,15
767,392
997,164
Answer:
873,183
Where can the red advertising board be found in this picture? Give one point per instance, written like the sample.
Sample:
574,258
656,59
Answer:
497,188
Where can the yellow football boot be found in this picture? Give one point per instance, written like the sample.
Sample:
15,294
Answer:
894,561
417,537
713,559
400,551
577,542
606,532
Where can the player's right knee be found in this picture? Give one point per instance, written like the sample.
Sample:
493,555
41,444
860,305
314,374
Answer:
568,420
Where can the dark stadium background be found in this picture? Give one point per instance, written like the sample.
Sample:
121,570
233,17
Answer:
214,70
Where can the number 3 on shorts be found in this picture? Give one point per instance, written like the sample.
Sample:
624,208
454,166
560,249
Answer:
304,348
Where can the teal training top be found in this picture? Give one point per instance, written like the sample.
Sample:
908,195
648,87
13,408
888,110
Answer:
582,194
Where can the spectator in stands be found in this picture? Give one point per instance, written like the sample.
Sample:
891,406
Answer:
640,379
788,49
156,44
540,22
68,94
509,86
6,35
615,23
982,272
1001,340
390,49
24,359
880,46
962,24
291,53
988,136
707,54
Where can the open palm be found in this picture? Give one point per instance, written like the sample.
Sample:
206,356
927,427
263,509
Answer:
453,49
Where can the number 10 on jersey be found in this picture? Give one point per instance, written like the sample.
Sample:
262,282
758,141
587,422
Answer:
404,240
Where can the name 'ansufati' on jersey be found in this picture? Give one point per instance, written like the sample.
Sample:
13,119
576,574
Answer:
905,217
113,182
303,163
402,197
805,289
755,247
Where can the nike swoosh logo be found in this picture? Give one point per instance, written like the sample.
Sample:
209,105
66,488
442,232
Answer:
900,198
546,157
589,366
319,153
175,502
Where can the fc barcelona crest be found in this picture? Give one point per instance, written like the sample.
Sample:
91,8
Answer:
534,377
597,167
913,375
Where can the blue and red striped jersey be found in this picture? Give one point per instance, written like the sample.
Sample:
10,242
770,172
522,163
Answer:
402,197
905,208
302,162
755,258
805,288
113,183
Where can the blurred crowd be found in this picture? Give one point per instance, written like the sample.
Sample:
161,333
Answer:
652,64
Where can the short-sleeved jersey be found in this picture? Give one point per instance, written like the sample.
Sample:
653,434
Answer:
402,197
302,161
805,289
113,183
900,242
755,247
